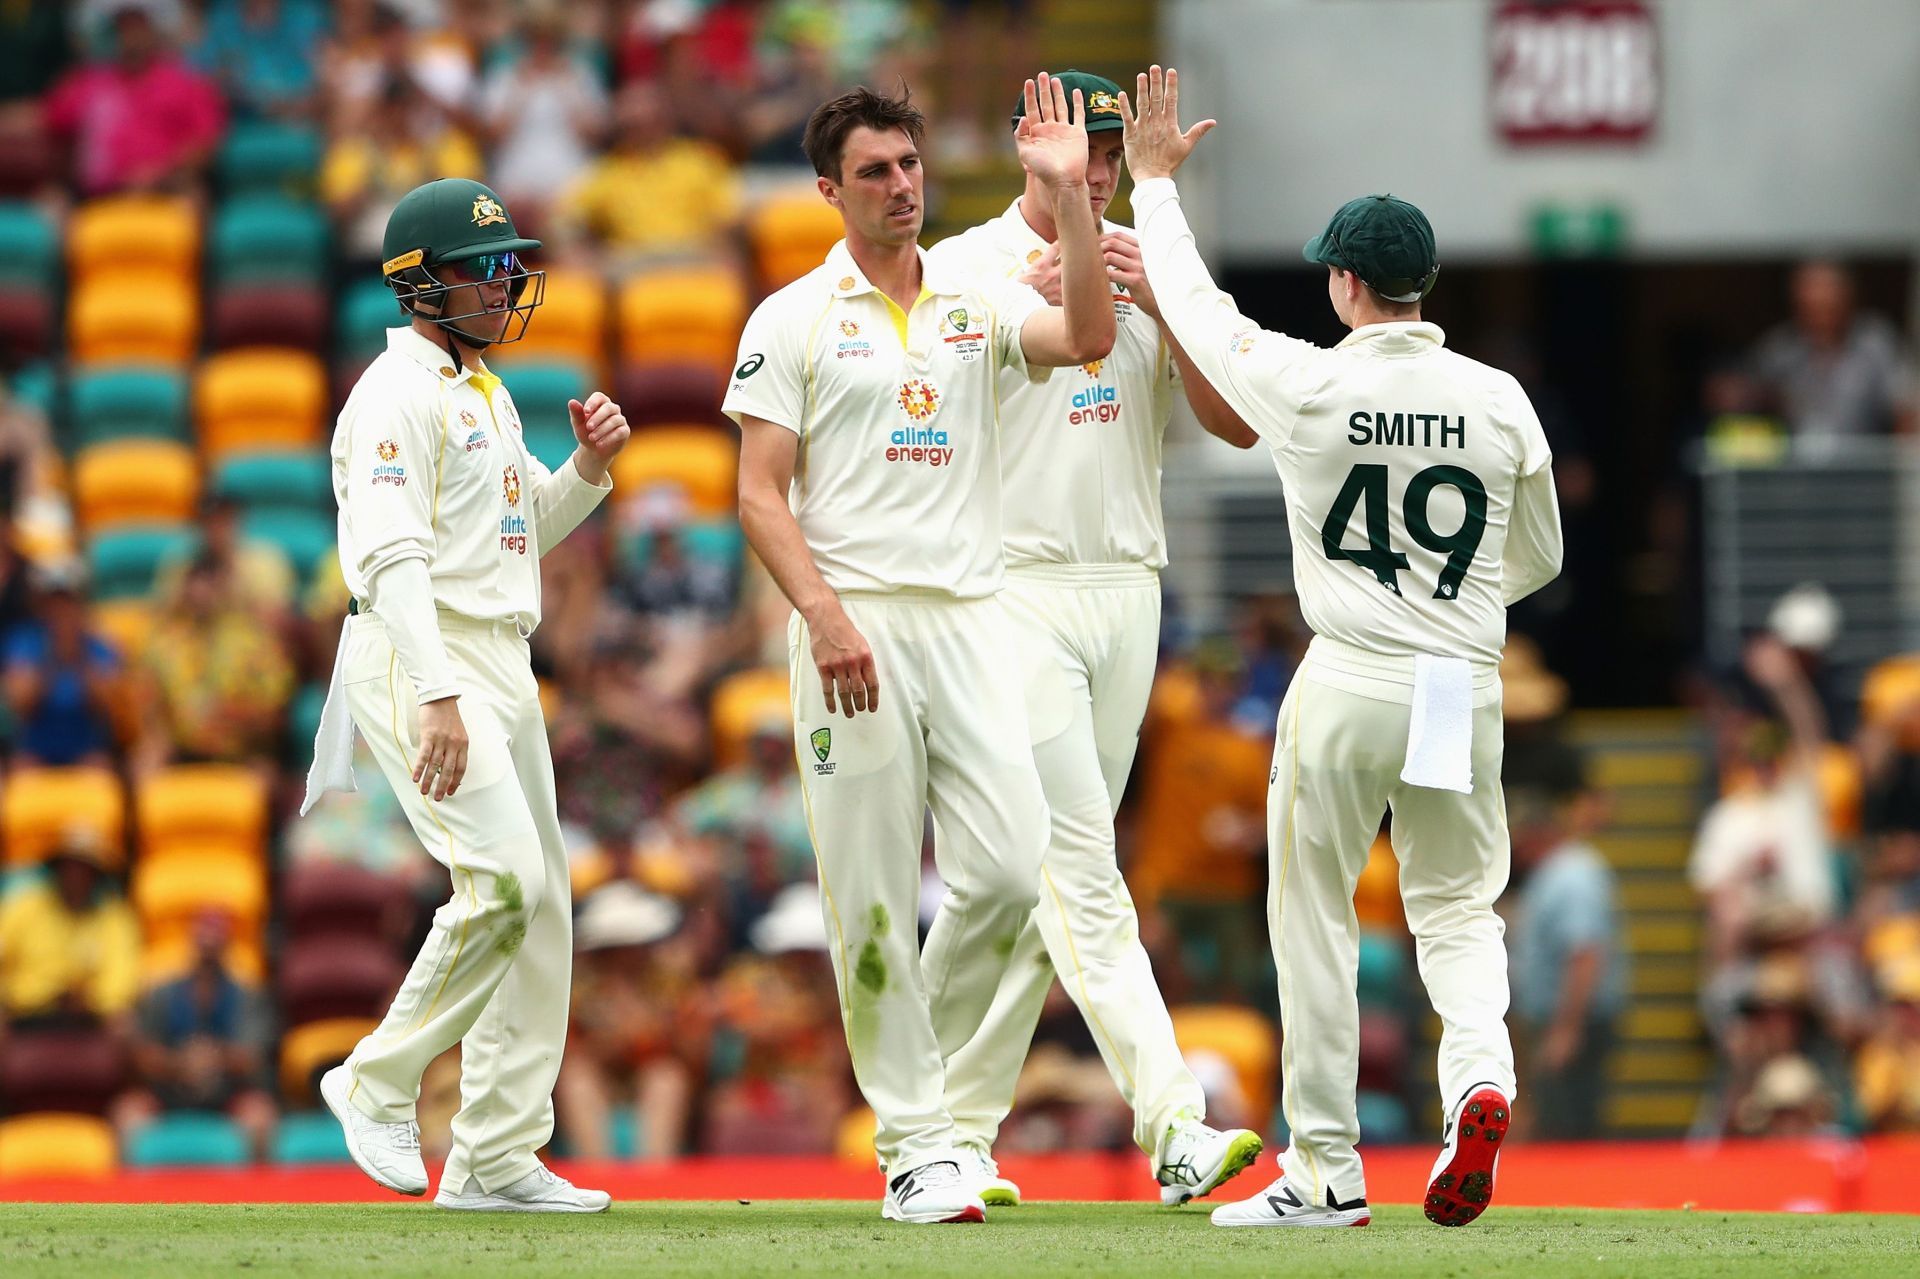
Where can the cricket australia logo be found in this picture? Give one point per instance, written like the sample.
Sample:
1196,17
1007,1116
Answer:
919,399
821,739
487,211
968,337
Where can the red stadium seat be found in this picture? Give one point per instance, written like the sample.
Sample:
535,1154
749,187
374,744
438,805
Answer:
343,901
271,315
322,977
73,1070
28,160
656,393
26,323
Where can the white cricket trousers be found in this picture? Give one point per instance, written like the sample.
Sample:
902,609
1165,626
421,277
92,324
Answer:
1090,635
951,733
495,974
1341,744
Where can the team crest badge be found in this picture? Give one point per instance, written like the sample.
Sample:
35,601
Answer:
850,328
487,211
958,318
821,739
386,450
919,399
510,485
1103,102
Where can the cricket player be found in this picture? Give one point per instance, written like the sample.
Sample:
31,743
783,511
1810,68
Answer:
867,398
444,515
1421,503
1085,543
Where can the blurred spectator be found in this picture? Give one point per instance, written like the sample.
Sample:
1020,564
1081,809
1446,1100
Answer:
64,683
796,76
757,814
140,119
987,46
1064,1098
35,49
1887,1069
263,54
215,682
201,1043
640,1027
545,110
365,828
69,943
1831,372
257,575
630,736
1272,641
1788,1099
377,44
707,47
653,195
658,574
1533,709
32,482
1568,966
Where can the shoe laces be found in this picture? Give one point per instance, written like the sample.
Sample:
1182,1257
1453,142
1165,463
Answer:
937,1176
408,1138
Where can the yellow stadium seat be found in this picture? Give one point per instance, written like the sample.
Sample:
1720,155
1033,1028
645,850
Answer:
306,1049
133,317
1889,689
134,232
195,805
40,805
703,462
682,316
134,481
260,398
791,235
1376,898
1244,1038
56,1145
169,891
127,625
571,323
742,702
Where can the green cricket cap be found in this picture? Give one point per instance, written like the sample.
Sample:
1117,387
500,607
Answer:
1387,242
445,221
1101,95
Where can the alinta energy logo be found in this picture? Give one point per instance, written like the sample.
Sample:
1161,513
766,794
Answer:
1096,403
388,471
476,438
513,526
852,346
919,400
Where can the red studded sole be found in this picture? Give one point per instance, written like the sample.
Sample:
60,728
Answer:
1463,1189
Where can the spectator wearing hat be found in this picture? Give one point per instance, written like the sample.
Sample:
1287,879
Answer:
1789,1098
258,577
69,943
64,684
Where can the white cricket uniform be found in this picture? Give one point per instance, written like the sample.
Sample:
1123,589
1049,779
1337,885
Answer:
428,464
1085,545
1420,502
897,492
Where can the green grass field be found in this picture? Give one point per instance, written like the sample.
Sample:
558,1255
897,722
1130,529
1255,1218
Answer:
1115,1241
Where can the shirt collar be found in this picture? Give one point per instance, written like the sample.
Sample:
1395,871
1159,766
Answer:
1397,337
1017,234
428,354
849,280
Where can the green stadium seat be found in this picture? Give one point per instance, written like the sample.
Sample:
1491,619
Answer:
261,157
366,311
261,238
38,385
122,563
309,1137
303,720
115,402
188,1139
540,392
1384,1120
303,535
282,478
1383,967
29,249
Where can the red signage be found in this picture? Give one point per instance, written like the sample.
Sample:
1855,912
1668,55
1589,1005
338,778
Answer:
1574,71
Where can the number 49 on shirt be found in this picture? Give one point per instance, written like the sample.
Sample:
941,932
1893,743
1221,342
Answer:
1368,481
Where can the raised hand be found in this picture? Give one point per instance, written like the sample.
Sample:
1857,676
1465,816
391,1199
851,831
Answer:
1155,144
1052,140
599,425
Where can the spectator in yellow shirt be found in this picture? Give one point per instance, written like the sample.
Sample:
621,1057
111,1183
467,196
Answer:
406,138
69,945
653,195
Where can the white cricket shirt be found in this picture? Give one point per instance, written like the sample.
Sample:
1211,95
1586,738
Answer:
1080,453
1419,487
428,464
898,482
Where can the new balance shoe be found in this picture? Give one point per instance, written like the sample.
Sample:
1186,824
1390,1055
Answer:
388,1153
995,1191
539,1191
1196,1160
933,1194
1462,1184
1281,1205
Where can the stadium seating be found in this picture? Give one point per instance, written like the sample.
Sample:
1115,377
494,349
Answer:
169,892
27,323
134,482
260,398
791,235
265,158
56,1145
651,394
188,1139
71,1070
133,317
40,805
571,324
309,1050
703,464
540,393
682,316
198,805
742,701
29,160
29,250
261,237
330,976
367,309
280,478
123,562
1242,1037
304,537
293,315
125,234
342,900
119,401
127,624
309,1137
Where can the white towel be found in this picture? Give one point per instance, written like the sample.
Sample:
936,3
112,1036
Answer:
1440,731
332,767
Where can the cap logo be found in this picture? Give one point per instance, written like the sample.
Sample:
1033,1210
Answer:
1103,102
487,211
412,257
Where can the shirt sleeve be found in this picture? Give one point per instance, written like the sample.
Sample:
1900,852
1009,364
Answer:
1257,371
392,442
1012,304
561,499
401,597
1534,548
769,376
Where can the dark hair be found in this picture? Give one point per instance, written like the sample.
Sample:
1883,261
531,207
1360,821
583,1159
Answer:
831,122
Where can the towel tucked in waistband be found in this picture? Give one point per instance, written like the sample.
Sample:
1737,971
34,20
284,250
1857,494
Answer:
332,767
1440,727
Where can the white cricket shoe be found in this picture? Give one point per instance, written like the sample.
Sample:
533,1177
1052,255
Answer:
1196,1160
932,1194
995,1191
1280,1205
538,1191
388,1153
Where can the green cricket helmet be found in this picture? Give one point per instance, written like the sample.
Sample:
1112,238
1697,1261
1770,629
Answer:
458,220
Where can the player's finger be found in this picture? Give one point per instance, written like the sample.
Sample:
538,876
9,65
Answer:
826,686
872,677
1201,130
1157,87
846,694
1127,122
1062,112
595,400
1032,100
1173,96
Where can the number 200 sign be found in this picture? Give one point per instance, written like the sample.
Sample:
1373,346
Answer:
1577,71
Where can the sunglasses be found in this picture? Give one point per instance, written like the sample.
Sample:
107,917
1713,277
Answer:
482,267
